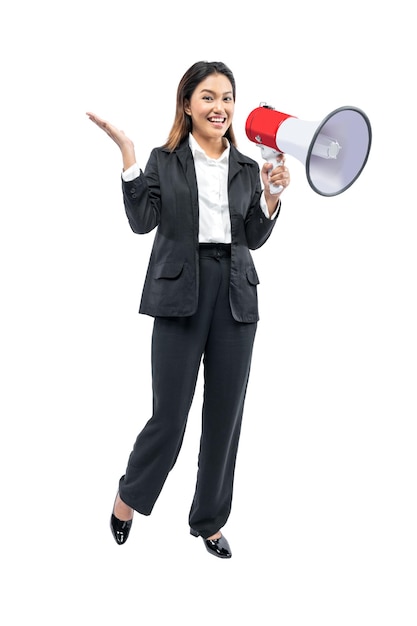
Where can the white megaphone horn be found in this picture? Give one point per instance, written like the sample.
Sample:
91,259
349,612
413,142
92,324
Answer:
333,151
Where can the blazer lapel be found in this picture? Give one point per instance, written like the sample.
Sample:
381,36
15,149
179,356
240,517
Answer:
184,155
234,165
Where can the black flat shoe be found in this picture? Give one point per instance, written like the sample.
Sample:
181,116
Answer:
219,547
120,529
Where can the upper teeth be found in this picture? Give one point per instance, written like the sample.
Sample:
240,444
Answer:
217,119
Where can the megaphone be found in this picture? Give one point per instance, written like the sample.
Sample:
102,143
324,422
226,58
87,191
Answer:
333,151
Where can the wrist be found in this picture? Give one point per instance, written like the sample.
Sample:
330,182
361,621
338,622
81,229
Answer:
128,155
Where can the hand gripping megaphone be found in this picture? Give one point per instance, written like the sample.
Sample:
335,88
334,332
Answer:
333,151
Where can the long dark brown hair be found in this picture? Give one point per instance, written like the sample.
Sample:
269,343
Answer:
182,125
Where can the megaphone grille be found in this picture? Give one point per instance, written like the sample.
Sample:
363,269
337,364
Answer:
352,130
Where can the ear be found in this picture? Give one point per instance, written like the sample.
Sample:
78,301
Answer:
187,108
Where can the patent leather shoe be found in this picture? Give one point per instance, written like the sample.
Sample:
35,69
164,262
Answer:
120,529
218,547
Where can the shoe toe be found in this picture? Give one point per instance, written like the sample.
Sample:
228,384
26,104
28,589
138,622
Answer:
219,547
120,529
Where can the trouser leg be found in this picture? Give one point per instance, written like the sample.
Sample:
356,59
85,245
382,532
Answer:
227,360
175,364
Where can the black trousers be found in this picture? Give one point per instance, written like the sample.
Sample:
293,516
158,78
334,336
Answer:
178,346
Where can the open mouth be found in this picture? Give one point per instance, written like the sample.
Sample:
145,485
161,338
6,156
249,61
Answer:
217,120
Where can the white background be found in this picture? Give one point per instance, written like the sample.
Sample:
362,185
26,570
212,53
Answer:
323,527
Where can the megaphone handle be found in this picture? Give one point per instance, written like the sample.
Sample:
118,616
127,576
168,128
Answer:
270,155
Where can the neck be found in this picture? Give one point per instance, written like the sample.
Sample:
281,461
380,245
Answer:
214,148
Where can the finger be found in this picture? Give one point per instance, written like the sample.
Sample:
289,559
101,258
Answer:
280,167
93,117
281,178
99,121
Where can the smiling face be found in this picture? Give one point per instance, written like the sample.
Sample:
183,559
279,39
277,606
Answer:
211,109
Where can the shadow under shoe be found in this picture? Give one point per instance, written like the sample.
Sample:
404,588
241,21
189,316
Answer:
218,547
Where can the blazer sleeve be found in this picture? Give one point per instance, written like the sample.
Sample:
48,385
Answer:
141,198
258,227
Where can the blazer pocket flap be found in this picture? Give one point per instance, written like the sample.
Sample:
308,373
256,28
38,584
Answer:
252,276
168,270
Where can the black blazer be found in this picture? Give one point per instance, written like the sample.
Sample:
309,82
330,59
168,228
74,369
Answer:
166,196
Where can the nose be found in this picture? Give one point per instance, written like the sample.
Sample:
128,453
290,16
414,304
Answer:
219,106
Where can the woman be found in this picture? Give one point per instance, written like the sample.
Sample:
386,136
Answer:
206,201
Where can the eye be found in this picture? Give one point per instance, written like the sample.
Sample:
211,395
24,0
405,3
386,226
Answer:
228,99
207,98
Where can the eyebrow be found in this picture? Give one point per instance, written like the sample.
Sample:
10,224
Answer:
226,93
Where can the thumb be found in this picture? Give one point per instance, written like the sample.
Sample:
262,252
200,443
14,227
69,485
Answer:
267,167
